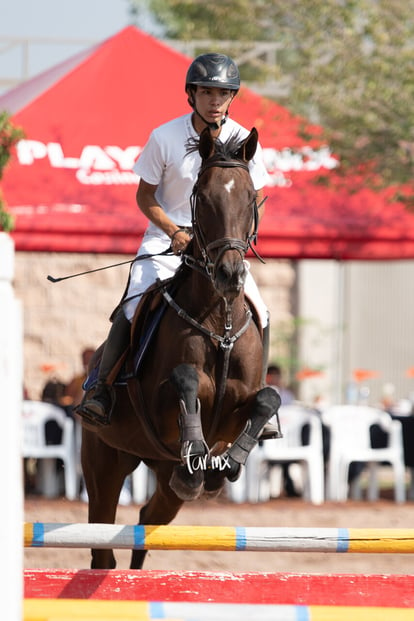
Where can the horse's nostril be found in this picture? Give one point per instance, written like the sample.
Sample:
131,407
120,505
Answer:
231,276
224,272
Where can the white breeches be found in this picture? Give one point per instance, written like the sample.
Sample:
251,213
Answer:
144,274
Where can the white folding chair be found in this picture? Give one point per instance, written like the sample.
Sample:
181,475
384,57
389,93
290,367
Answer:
350,441
272,453
35,416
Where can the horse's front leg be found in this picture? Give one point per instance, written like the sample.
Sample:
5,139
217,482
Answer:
104,470
266,404
186,482
161,508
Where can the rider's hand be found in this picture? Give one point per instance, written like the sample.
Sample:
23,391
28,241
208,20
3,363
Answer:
180,241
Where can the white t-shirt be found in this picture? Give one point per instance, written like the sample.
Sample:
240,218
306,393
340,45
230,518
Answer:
165,162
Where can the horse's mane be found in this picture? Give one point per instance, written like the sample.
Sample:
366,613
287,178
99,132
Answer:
229,150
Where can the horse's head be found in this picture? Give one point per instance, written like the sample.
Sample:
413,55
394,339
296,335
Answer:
224,209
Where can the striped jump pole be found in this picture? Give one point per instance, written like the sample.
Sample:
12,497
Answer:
140,537
80,610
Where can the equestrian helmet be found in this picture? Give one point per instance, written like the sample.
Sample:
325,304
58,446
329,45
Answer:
213,69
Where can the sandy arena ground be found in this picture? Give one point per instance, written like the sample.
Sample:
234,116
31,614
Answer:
278,512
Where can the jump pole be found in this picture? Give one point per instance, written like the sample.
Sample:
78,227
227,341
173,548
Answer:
80,610
226,538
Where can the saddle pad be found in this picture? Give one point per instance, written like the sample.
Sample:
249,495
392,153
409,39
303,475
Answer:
152,321
151,325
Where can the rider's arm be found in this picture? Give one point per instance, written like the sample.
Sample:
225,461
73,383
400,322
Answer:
149,206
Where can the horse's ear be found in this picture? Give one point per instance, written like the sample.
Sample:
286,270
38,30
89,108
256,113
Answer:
249,145
206,144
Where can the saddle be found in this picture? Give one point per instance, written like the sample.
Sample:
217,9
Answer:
148,315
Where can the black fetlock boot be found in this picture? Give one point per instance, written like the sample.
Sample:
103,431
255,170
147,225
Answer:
270,431
97,408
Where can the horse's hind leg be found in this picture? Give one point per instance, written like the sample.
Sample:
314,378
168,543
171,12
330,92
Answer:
161,508
104,471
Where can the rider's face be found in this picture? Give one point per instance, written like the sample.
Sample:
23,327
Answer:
212,102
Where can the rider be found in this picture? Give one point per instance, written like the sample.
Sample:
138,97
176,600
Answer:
167,176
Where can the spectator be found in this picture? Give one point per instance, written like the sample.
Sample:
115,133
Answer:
53,391
274,380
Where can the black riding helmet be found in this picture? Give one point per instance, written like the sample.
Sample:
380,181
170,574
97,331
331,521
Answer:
214,70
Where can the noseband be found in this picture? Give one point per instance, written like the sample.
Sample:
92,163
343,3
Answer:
225,243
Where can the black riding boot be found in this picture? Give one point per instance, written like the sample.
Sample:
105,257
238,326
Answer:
270,431
98,408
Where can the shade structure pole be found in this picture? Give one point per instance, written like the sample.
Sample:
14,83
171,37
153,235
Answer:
339,349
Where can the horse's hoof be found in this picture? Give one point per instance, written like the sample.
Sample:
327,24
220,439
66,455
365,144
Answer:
212,494
235,471
187,486
213,483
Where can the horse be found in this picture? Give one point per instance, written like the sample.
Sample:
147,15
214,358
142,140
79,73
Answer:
198,405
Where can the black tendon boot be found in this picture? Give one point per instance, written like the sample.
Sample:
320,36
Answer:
97,409
270,431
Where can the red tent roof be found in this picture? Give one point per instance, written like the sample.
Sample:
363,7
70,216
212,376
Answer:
72,189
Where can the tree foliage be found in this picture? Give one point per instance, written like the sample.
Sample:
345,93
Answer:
350,65
9,135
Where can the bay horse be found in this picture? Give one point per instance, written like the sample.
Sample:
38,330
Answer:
198,406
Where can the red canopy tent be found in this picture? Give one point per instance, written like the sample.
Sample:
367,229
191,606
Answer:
72,190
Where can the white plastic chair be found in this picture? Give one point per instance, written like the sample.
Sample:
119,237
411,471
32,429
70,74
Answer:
263,459
237,491
35,415
350,441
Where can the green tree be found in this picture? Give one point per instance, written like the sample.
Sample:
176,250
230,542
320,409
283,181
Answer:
350,65
9,136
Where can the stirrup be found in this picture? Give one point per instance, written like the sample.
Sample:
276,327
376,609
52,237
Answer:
270,432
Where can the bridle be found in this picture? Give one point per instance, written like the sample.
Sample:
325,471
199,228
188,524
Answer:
224,243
